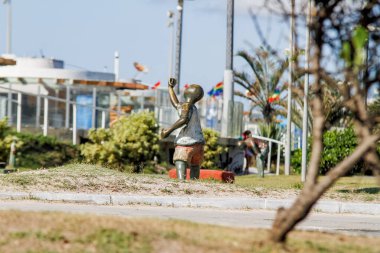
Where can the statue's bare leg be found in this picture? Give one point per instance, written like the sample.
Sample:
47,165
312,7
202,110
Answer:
194,171
181,169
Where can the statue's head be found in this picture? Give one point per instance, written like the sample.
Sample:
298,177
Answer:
193,94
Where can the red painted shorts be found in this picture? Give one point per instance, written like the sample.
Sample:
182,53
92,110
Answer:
193,155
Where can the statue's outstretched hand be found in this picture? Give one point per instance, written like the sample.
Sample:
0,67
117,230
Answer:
172,82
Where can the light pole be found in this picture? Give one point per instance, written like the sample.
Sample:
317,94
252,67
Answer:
171,38
9,26
116,64
228,86
289,117
306,95
178,44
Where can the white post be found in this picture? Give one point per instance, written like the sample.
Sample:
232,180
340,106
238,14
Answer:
9,27
68,98
269,156
19,108
289,117
117,66
227,99
228,85
38,106
93,125
177,70
103,119
118,105
74,124
10,97
171,38
305,98
46,113
142,101
278,159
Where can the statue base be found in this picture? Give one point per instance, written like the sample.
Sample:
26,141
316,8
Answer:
218,175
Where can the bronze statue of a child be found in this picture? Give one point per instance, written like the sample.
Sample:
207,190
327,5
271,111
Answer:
189,141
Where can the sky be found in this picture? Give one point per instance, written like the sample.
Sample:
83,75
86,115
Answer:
86,33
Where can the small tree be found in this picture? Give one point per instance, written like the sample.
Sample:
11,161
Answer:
342,27
130,141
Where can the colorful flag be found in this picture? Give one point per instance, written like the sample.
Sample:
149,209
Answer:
275,96
211,92
155,86
217,90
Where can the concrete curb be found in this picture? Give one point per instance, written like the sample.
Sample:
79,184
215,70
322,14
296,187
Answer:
323,206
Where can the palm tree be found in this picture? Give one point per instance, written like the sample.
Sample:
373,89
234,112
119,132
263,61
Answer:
262,83
335,113
265,79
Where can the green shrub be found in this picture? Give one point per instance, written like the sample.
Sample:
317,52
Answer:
44,151
338,144
212,148
34,151
4,141
296,160
130,141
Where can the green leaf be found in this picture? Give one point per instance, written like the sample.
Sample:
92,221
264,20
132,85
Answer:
359,38
346,53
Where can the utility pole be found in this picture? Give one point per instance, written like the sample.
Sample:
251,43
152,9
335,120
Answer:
171,42
178,45
305,118
305,100
116,66
9,26
228,86
289,117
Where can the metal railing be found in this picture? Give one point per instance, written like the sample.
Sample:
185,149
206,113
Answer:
279,144
46,99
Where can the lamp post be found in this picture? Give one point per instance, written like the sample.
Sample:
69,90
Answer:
9,26
178,45
289,117
306,95
171,42
228,86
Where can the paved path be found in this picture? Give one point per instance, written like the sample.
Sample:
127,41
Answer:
347,223
324,206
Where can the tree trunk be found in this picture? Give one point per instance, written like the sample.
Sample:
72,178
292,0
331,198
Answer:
287,219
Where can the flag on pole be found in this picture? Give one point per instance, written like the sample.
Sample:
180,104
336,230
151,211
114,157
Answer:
275,96
217,90
155,86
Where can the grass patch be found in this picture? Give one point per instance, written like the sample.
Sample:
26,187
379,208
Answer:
96,179
269,182
59,232
356,188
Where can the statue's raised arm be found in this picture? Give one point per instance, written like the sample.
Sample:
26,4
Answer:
173,97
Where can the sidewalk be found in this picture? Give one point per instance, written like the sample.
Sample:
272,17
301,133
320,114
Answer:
197,202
